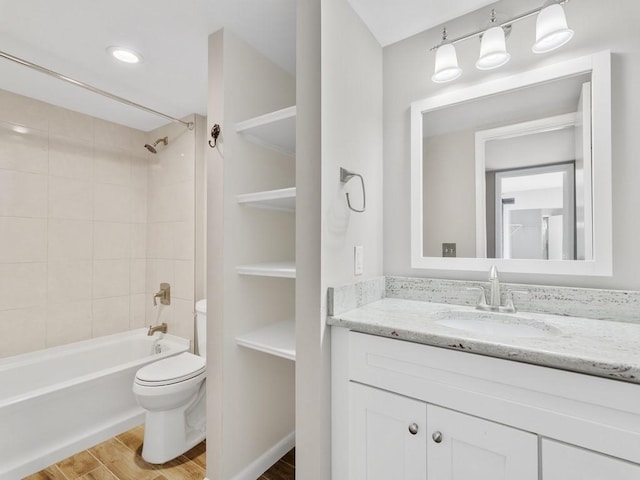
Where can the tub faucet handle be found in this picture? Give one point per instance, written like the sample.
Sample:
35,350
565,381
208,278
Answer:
164,295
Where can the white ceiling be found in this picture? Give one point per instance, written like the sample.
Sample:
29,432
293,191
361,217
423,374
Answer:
70,37
393,20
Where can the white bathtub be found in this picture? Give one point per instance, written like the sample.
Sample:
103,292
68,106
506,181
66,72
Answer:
58,401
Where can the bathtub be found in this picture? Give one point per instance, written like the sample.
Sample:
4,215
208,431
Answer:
58,401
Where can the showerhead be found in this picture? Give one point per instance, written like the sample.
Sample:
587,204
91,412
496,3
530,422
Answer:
152,148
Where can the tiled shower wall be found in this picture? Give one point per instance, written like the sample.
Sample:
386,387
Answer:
171,228
78,258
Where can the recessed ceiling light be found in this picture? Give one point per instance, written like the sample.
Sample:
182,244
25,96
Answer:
124,54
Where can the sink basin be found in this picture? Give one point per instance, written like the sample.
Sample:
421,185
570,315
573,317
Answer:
494,324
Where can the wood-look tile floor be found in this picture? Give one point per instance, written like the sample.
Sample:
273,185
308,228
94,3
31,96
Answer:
120,459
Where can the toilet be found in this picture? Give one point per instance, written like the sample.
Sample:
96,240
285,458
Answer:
172,391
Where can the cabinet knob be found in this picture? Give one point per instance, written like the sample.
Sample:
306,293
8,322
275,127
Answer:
437,437
413,428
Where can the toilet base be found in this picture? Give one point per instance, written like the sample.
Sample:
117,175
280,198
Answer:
169,434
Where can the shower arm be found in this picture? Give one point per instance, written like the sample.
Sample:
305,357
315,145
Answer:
86,86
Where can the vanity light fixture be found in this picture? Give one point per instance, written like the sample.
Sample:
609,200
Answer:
447,68
124,55
551,29
493,47
551,32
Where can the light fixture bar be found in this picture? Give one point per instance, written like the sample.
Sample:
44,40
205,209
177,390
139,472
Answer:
502,24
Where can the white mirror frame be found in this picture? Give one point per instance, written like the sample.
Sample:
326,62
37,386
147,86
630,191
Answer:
601,264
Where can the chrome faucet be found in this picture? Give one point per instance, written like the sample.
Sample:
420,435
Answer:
158,328
494,283
494,295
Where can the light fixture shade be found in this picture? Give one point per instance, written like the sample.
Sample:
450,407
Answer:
493,50
551,29
447,68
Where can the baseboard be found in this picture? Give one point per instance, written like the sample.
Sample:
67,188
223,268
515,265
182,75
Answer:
267,459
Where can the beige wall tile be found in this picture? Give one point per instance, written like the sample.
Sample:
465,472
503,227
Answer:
23,331
70,158
183,281
184,240
139,205
23,239
112,203
137,311
112,166
23,194
23,285
181,323
138,276
139,240
68,322
110,315
67,123
160,240
111,240
111,278
70,239
23,149
24,111
69,281
70,199
139,171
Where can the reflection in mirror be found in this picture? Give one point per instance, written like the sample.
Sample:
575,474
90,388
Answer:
509,171
519,155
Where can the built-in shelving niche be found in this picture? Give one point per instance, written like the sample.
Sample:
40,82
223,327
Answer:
277,131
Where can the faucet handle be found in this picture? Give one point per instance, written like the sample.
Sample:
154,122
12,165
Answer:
509,303
482,300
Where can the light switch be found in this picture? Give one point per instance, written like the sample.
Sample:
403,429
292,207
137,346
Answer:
358,260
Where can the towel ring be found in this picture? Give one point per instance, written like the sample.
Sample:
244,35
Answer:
345,176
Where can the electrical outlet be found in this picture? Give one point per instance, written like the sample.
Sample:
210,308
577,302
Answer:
448,249
358,260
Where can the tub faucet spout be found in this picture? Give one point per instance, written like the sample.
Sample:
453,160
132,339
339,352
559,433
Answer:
158,328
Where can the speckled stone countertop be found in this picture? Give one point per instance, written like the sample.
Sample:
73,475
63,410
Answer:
596,347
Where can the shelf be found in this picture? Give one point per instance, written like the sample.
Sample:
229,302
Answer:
269,269
275,130
283,200
278,339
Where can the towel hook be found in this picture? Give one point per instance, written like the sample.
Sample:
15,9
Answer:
345,176
215,133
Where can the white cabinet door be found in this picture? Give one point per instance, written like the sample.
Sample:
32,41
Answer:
472,448
566,462
387,435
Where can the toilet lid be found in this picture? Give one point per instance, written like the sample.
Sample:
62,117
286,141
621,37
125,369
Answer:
171,370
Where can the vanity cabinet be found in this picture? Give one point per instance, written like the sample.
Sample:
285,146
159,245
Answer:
566,462
393,436
404,410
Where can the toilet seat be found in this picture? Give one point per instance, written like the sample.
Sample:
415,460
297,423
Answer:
171,370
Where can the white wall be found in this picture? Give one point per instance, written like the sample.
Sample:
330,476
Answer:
339,124
256,409
449,159
408,66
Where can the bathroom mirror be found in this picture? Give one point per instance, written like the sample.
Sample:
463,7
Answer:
516,172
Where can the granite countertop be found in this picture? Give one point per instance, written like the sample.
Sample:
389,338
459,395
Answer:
604,348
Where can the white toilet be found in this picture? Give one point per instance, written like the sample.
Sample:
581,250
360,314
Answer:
172,391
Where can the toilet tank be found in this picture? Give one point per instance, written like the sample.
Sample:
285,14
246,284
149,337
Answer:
201,327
